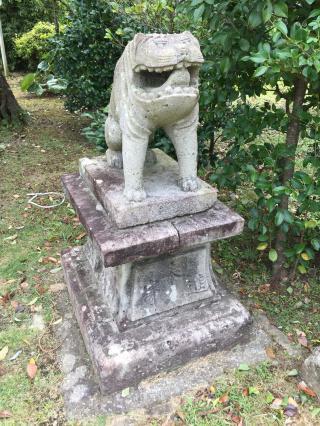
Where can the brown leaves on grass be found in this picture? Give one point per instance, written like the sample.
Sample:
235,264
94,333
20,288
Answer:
32,369
302,339
48,259
6,297
304,388
264,288
5,414
224,398
80,236
270,353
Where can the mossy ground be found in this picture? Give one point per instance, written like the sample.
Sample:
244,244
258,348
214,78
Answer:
33,160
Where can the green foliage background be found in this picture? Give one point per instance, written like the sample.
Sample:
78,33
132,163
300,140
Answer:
19,17
34,45
257,54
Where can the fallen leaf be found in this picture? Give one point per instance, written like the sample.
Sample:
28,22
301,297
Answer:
80,236
270,353
3,353
4,282
55,270
32,368
224,398
212,389
57,321
243,367
264,288
5,414
125,392
276,404
236,419
245,391
24,285
291,410
11,238
303,340
15,356
304,388
292,401
55,288
180,415
293,373
33,301
41,289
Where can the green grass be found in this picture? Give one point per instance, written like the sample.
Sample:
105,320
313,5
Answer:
33,160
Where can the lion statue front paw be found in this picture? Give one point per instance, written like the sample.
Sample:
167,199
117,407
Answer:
189,184
135,194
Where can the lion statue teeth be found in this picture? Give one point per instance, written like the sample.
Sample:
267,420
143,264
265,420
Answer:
155,85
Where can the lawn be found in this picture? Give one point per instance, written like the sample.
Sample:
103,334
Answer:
32,159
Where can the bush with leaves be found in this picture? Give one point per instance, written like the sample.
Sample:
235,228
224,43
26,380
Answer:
34,45
84,57
19,17
253,47
95,131
43,81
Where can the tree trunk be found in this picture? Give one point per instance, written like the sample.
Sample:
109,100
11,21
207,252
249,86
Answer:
55,7
292,139
9,107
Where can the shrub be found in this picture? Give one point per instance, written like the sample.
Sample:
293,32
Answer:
95,131
84,57
43,81
19,16
33,45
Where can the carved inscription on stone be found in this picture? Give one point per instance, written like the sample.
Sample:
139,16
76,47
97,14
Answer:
170,282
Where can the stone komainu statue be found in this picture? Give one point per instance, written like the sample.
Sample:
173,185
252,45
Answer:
155,85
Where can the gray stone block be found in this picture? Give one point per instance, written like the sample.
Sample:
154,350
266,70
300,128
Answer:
165,200
311,370
118,246
125,354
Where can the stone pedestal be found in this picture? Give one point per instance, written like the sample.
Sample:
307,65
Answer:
145,297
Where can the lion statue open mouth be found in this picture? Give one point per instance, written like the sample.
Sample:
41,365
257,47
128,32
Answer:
155,86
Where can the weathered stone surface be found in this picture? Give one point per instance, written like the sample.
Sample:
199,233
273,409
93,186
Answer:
138,290
155,86
165,199
124,357
156,395
118,246
311,370
217,223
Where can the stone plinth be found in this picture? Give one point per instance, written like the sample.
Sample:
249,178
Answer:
145,297
165,199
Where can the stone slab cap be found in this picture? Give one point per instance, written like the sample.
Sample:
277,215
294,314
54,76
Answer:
165,199
118,246
124,358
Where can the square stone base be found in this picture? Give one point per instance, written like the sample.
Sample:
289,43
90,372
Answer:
122,358
155,396
165,199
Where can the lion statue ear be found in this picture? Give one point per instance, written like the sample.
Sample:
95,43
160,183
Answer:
139,37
